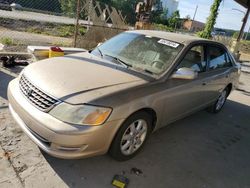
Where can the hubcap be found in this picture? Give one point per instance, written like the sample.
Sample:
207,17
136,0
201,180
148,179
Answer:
221,100
134,137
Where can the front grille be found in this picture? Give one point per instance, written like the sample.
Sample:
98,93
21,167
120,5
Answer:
38,98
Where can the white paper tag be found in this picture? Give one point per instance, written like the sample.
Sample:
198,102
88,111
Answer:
168,43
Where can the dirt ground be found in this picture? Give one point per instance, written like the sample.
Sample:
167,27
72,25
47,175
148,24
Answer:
200,151
24,39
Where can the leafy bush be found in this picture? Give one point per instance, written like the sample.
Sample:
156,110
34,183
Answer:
206,33
7,41
162,27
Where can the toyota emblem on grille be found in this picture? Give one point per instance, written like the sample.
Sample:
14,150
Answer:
29,91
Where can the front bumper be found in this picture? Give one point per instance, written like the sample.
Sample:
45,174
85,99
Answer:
57,138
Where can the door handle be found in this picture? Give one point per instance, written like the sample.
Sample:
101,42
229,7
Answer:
204,83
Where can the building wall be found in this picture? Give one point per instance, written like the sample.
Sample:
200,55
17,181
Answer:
193,25
171,5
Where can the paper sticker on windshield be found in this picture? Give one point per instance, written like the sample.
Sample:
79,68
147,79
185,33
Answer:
168,43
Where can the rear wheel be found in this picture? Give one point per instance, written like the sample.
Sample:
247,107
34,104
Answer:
131,137
218,105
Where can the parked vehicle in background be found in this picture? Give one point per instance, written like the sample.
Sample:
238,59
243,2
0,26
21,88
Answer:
220,32
16,6
112,98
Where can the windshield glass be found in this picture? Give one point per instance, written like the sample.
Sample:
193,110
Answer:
140,52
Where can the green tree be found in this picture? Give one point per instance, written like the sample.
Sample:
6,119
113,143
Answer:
160,17
127,7
236,34
68,7
206,33
174,19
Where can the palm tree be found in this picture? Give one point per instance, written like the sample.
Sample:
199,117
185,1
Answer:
206,33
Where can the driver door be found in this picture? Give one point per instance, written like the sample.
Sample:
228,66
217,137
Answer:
185,96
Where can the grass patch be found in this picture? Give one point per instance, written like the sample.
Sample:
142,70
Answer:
45,28
82,31
162,27
246,42
10,43
245,46
7,41
66,31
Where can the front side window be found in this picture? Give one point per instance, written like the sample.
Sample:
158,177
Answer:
194,59
218,58
141,52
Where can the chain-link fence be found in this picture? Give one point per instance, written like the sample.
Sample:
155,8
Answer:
57,23
102,21
242,47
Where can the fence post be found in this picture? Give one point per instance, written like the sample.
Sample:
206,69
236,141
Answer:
77,22
89,12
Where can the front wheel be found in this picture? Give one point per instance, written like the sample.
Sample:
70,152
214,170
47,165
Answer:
218,105
131,137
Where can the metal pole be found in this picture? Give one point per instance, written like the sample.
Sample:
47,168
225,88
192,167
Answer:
191,27
247,33
243,25
77,22
89,13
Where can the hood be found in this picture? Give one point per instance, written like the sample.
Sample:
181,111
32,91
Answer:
68,76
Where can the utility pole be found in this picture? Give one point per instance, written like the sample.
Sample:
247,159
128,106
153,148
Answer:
243,25
191,27
247,33
77,22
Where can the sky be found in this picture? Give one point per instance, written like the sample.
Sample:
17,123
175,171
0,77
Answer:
227,18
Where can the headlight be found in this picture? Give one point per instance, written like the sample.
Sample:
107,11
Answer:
81,114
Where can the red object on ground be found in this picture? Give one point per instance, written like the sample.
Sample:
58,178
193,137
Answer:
56,49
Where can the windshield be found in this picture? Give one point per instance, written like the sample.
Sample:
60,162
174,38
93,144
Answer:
140,52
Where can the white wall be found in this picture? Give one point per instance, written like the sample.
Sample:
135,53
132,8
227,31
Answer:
171,5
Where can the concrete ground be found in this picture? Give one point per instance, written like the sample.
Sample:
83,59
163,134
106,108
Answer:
200,151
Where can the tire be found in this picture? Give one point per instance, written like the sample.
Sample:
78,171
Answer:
220,102
131,136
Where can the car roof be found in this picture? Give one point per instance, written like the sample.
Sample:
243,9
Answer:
176,37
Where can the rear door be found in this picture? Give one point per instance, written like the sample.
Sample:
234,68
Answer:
218,71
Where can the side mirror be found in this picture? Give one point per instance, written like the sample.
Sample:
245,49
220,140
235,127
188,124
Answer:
185,73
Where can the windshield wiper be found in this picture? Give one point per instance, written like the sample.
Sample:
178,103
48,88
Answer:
121,62
148,71
118,60
100,51
144,70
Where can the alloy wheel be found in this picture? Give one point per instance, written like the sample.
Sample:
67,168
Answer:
221,101
134,137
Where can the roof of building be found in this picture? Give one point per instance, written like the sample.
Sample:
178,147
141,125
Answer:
180,38
195,21
245,3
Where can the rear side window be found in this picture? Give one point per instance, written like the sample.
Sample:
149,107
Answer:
218,58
